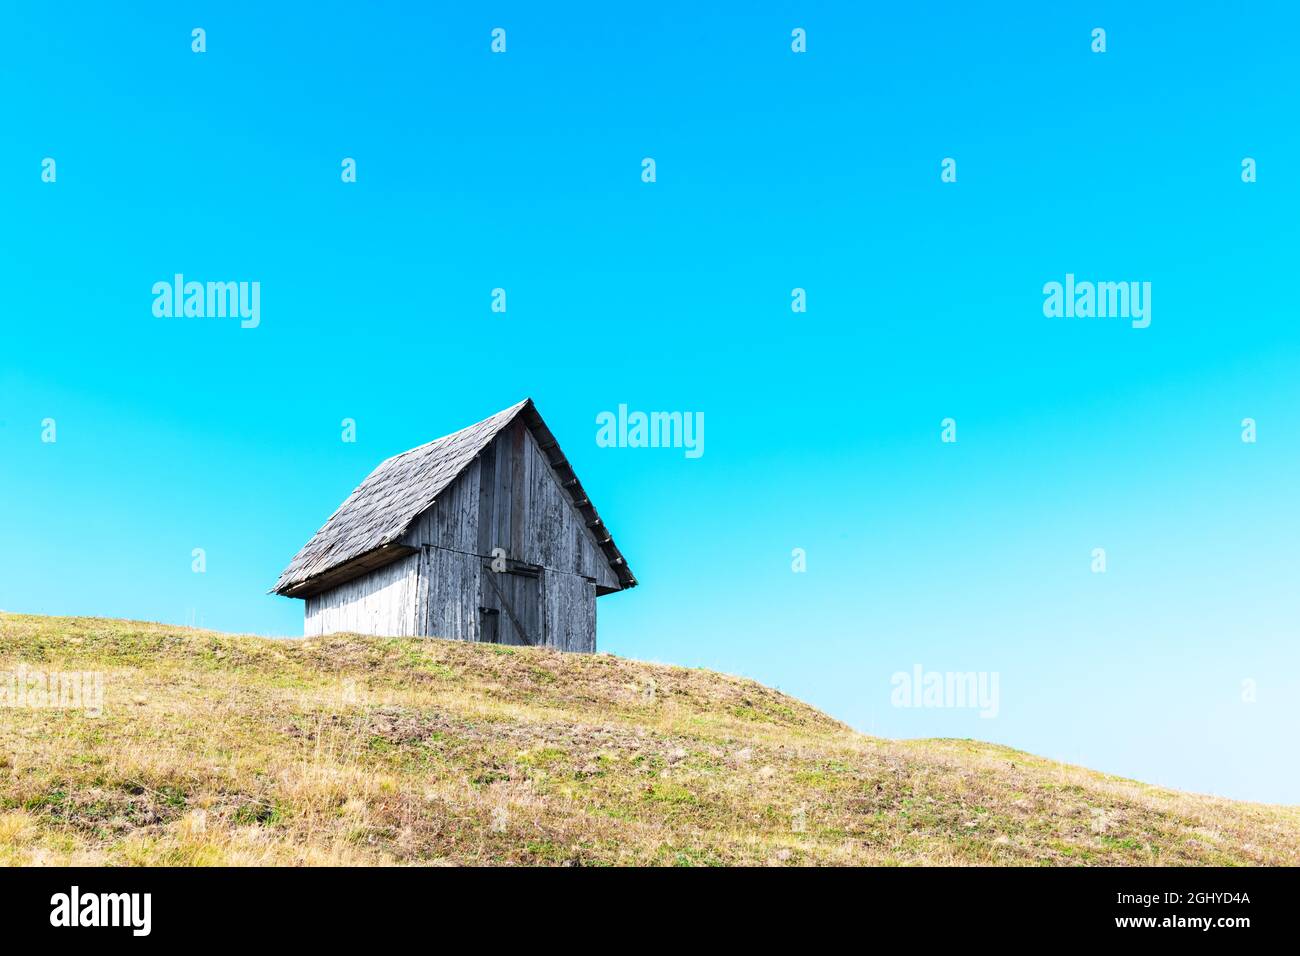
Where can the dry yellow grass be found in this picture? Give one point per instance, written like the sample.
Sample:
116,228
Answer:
220,749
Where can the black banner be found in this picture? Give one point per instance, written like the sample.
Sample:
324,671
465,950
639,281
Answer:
333,906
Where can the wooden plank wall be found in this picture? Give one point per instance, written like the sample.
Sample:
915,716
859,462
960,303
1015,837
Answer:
523,509
382,602
510,498
570,612
448,594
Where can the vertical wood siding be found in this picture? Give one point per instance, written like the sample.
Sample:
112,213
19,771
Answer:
531,516
451,585
570,612
381,602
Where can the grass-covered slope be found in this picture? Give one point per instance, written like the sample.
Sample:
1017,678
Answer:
218,749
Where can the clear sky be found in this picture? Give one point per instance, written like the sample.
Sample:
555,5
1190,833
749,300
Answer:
775,170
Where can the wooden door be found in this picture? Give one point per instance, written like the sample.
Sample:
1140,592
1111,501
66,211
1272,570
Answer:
518,595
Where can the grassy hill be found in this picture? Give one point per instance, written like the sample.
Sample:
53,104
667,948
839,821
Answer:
220,749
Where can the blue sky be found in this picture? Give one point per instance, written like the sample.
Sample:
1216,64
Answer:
775,170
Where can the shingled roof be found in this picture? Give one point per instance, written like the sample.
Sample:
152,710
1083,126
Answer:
365,532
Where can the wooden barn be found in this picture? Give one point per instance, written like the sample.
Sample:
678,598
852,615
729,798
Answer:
484,535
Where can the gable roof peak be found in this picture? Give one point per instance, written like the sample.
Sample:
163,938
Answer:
364,532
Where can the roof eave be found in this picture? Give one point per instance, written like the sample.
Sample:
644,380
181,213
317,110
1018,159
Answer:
340,574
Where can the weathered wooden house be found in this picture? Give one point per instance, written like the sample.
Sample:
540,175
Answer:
484,535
